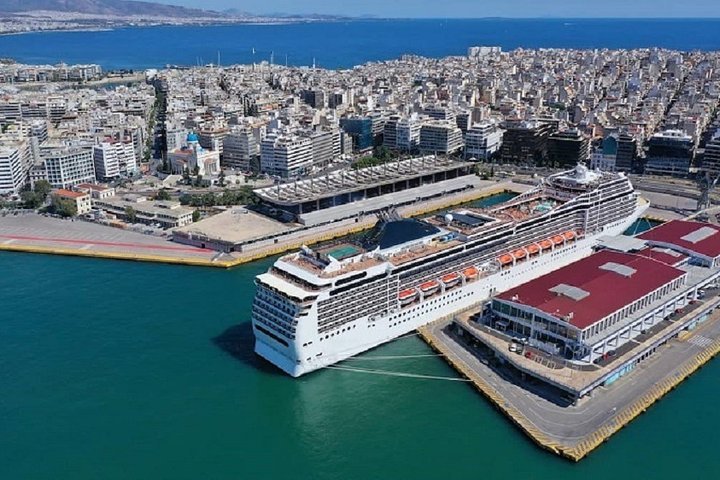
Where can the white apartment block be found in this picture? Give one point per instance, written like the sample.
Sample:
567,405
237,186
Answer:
69,166
14,168
176,138
440,136
114,159
407,133
286,156
482,140
438,112
323,147
107,164
239,147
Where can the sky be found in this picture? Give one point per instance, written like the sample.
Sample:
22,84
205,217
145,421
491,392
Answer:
471,8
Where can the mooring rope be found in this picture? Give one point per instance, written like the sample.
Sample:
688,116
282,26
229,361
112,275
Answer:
397,374
393,357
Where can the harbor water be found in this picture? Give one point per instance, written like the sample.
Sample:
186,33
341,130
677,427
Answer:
121,370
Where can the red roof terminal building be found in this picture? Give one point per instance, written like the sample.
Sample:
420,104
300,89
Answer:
696,239
593,307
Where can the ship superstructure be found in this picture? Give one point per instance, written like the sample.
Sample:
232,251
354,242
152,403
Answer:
319,306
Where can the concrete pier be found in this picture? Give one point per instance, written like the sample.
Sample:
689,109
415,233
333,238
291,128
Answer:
555,423
32,233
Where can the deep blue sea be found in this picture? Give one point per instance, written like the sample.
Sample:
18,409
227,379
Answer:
345,44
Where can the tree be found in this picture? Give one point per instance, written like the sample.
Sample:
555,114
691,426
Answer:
196,215
130,214
196,171
382,153
221,178
198,180
208,199
42,188
63,206
186,176
31,199
163,194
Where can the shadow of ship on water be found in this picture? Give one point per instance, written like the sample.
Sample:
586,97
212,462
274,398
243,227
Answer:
238,341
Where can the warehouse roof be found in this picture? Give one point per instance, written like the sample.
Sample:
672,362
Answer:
587,291
697,237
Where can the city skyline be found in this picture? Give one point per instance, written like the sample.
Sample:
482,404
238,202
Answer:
470,8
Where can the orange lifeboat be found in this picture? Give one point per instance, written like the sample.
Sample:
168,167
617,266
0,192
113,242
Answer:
450,279
533,249
558,239
519,254
505,259
429,287
471,273
546,244
569,235
407,296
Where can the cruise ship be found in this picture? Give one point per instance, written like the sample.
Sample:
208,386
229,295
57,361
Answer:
319,306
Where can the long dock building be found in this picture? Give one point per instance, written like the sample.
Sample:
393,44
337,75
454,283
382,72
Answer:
370,189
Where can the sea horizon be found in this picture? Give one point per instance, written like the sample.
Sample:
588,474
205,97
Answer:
341,44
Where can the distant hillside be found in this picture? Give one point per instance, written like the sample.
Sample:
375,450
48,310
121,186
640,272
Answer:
291,16
104,7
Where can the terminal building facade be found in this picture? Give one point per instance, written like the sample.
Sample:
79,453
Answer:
597,306
590,307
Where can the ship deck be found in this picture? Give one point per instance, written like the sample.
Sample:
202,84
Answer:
422,251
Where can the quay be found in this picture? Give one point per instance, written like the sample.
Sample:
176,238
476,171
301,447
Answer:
574,433
575,355
33,233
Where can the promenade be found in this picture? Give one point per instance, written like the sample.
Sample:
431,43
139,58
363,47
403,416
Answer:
33,233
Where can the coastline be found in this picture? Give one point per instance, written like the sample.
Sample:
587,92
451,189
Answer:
276,22
157,253
57,30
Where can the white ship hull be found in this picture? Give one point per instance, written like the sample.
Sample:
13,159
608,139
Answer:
310,353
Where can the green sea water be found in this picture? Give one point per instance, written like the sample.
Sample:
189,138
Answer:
119,370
